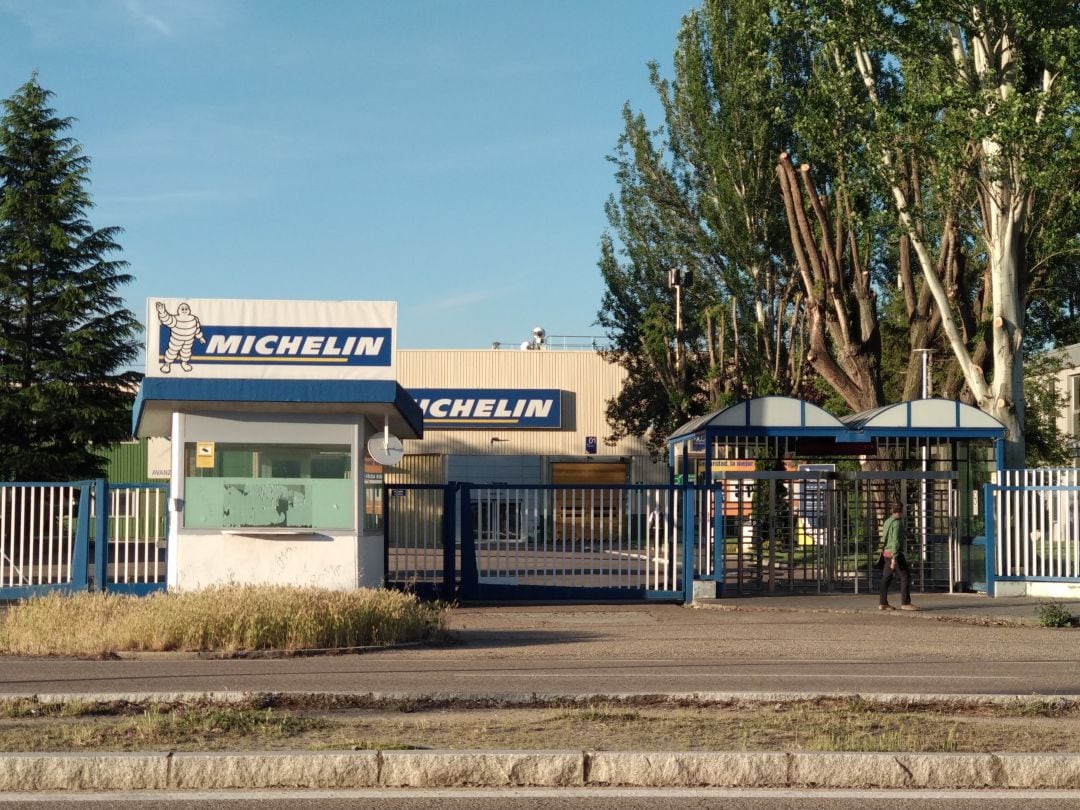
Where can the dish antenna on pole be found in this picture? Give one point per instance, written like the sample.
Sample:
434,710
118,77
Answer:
385,448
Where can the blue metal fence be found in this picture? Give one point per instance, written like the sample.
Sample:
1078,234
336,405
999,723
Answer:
500,542
81,535
503,542
1033,528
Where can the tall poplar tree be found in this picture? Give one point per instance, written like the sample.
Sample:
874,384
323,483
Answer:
988,111
65,336
700,193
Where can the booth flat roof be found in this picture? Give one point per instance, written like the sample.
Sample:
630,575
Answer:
787,416
158,398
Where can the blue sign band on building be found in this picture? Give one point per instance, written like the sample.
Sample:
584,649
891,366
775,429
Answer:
288,345
512,408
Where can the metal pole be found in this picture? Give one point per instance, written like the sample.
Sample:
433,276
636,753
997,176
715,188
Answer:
678,328
924,498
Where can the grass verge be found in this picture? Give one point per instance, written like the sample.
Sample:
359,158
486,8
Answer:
224,619
278,724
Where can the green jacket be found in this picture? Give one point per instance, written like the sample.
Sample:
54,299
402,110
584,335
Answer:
892,535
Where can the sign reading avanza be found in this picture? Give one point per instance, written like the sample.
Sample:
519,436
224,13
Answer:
512,408
270,339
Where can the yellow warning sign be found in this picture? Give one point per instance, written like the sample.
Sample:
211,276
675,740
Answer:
204,455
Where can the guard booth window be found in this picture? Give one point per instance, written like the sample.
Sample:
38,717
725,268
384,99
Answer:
268,486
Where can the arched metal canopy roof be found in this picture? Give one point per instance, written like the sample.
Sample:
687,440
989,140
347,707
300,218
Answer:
925,417
786,416
766,416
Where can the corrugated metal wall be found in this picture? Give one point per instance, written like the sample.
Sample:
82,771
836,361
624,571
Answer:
126,462
417,469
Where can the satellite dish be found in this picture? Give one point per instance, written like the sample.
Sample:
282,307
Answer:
386,449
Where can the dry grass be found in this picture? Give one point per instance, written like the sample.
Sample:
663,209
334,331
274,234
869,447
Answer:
199,728
225,619
30,726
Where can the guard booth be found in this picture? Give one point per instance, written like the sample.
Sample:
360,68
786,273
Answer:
279,414
791,498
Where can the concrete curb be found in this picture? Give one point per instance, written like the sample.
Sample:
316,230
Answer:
528,699
33,773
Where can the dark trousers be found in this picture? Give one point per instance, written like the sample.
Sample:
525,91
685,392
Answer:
905,580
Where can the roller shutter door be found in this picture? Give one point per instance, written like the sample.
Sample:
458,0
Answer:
586,509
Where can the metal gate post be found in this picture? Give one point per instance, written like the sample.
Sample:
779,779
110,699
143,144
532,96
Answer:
101,532
80,562
719,541
470,575
688,537
387,528
449,541
990,530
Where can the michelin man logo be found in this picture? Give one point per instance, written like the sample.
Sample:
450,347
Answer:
184,330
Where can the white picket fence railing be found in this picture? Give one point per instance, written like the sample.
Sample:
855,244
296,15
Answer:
37,534
51,537
1037,523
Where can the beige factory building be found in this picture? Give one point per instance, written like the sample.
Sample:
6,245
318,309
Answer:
517,417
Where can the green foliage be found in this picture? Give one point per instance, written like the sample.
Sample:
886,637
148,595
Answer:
1046,445
940,139
65,336
973,124
1053,614
701,193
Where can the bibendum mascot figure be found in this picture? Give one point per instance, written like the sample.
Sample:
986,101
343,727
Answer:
184,330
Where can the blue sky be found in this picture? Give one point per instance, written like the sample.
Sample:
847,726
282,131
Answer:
445,154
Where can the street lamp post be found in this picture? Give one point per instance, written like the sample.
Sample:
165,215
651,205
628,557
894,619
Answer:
924,505
677,279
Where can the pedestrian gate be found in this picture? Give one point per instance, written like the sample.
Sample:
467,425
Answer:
820,531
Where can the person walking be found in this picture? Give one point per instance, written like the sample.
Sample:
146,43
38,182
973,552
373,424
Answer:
893,542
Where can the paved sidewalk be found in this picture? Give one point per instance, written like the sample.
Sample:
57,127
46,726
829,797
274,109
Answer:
974,607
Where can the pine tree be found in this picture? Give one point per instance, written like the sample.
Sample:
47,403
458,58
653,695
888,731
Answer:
66,338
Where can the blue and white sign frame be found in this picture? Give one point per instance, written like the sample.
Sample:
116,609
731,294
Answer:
490,408
250,339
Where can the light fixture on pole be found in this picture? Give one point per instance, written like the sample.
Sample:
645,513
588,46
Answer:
677,279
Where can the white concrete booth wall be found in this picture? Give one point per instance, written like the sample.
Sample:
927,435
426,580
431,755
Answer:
341,557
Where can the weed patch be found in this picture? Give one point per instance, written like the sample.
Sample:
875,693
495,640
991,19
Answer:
224,619
1053,614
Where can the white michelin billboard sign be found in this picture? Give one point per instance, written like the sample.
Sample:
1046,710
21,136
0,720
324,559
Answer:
251,339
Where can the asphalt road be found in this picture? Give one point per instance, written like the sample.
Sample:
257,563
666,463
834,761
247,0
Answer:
651,649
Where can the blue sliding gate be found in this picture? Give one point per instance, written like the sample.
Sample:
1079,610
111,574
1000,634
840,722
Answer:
502,542
82,535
